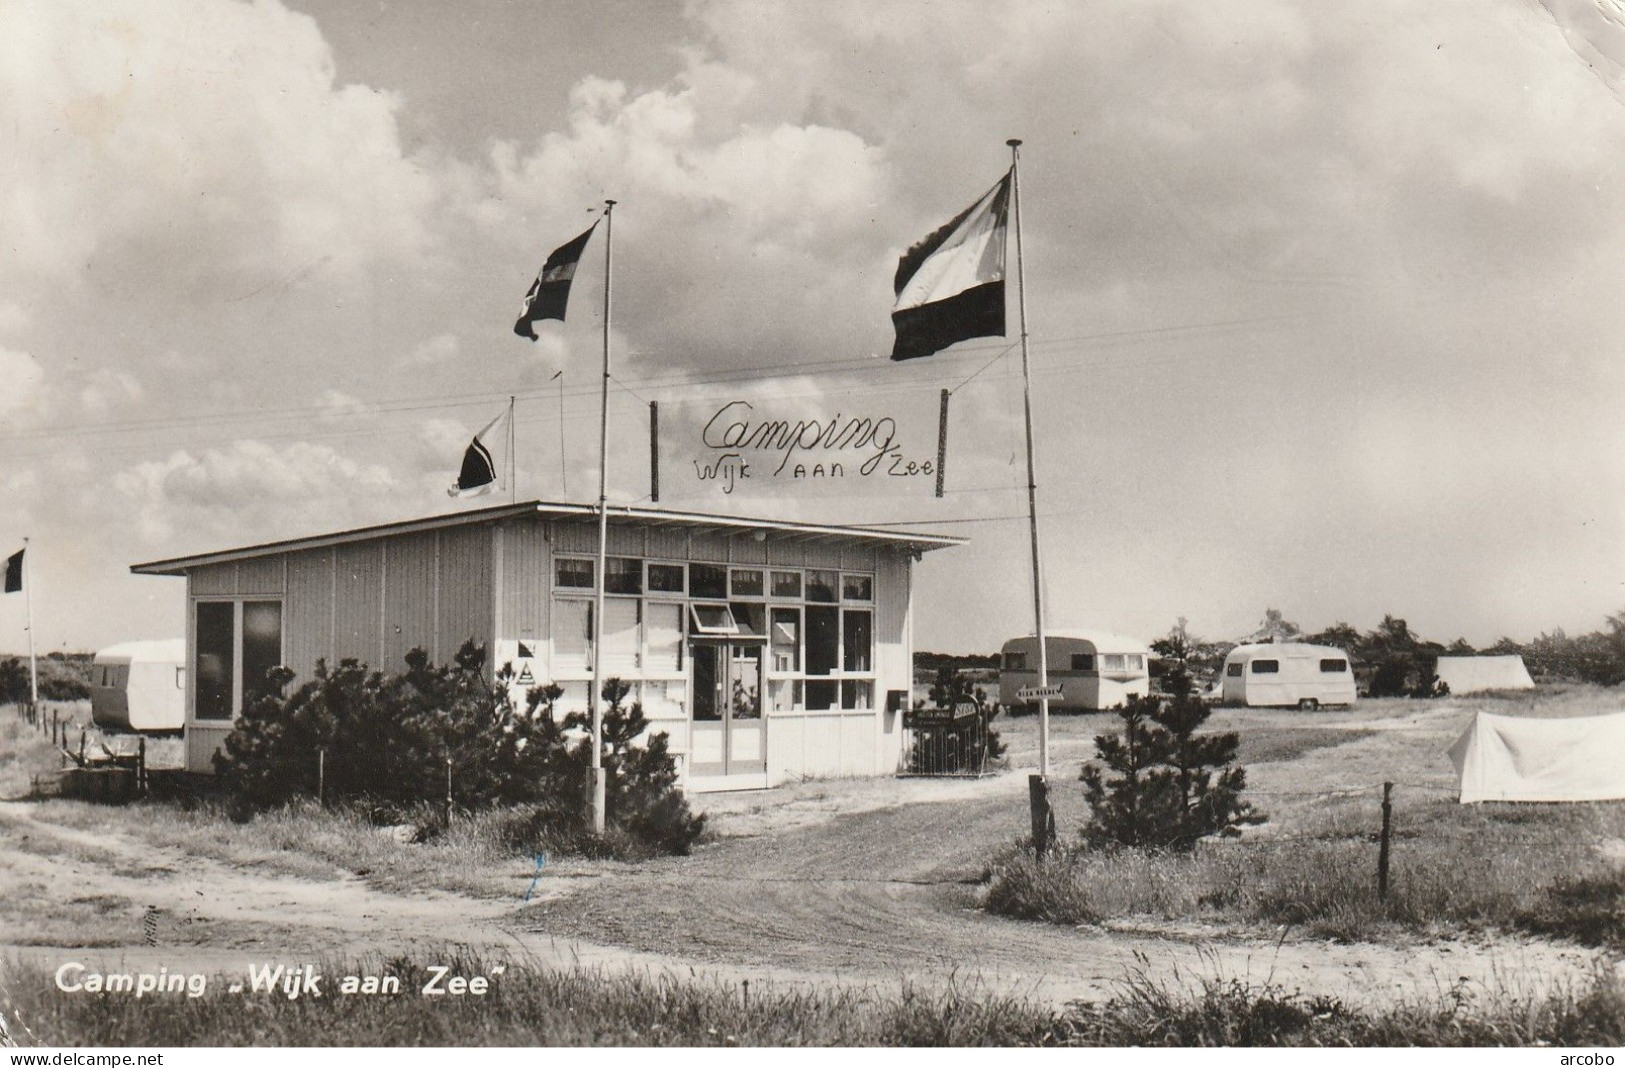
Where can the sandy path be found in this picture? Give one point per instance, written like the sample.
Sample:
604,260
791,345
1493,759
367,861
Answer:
820,884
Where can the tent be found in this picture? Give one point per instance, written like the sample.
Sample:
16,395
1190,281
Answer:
1472,674
1517,758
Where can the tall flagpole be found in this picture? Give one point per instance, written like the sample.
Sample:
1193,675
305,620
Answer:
513,442
564,473
28,609
1039,787
595,785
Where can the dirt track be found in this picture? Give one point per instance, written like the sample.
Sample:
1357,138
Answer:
840,887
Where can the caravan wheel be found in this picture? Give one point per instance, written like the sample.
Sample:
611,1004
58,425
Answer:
1308,704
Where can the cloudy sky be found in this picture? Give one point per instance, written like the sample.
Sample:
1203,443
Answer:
1324,300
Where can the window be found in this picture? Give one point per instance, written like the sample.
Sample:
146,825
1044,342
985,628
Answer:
748,618
856,641
707,580
857,588
857,693
663,634
1083,661
787,584
712,619
572,635
1015,661
1136,662
572,573
622,575
216,659
1334,665
621,619
746,584
821,586
262,645
666,578
784,642
1266,667
236,644
1233,670
1113,661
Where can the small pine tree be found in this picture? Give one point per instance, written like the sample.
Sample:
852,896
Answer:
1160,784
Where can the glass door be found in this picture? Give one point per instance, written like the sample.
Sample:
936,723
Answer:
728,735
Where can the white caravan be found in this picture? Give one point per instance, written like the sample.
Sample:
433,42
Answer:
1280,674
139,686
1094,670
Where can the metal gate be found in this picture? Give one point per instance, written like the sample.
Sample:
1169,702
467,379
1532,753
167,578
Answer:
945,742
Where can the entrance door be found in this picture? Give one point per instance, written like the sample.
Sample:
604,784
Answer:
729,737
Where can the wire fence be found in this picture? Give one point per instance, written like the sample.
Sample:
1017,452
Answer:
951,747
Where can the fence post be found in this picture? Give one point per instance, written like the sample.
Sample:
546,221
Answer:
448,793
1382,850
1043,817
321,775
141,767
81,748
56,723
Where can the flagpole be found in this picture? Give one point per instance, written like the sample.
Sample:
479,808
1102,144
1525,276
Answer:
28,609
564,473
1039,787
596,781
513,441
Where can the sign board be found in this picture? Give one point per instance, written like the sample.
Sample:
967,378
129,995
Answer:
960,711
1033,693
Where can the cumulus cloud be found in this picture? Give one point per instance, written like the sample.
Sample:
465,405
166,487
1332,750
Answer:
200,147
248,486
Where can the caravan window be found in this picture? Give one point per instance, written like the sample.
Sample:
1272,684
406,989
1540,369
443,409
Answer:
1266,667
1083,661
1233,670
1015,661
1334,665
1136,662
1113,661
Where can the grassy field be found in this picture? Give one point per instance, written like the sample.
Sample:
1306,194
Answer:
527,1006
1555,870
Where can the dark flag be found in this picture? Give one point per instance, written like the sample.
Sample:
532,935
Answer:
14,571
950,286
479,472
551,291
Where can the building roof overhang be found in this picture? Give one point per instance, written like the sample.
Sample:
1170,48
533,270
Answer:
726,525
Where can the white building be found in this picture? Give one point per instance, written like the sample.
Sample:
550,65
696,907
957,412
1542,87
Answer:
765,650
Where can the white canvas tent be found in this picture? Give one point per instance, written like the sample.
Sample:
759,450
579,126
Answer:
1517,758
1474,674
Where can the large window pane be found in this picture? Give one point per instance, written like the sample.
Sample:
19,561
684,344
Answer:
663,630
216,658
262,645
747,583
787,584
620,637
857,693
857,588
822,641
821,695
856,642
572,636
785,639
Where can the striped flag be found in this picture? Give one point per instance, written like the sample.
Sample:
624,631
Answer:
479,473
551,291
950,286
14,571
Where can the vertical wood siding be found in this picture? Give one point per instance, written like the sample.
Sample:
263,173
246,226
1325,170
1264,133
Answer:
467,601
307,611
359,586
409,609
526,580
260,575
213,579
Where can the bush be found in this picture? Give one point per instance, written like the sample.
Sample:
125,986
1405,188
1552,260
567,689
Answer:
388,743
1164,793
